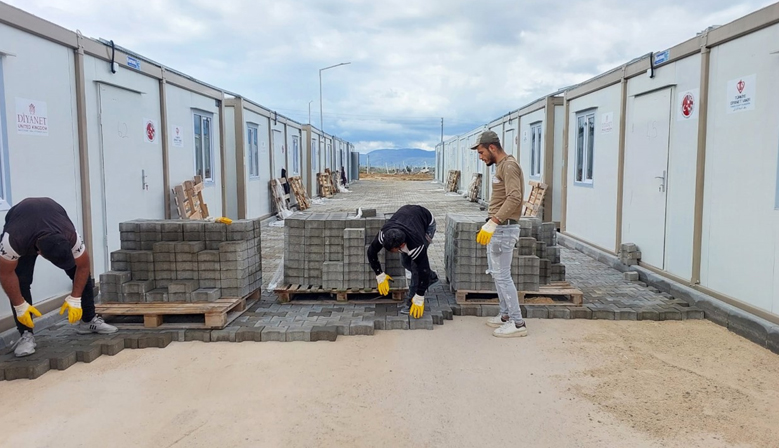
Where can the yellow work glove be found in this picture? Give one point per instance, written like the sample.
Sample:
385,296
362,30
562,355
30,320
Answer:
417,306
24,314
383,281
485,234
221,220
73,305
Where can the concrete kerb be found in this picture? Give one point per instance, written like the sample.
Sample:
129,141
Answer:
742,323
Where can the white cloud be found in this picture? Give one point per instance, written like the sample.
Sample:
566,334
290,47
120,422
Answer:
368,146
411,63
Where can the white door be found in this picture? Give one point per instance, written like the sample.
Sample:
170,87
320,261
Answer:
131,166
508,143
646,175
279,161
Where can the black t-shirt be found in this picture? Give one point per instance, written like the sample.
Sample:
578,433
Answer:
31,219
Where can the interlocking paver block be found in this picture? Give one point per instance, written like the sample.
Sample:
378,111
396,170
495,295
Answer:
324,333
298,334
62,360
397,322
423,323
253,334
274,334
30,369
110,347
225,335
89,353
197,335
361,328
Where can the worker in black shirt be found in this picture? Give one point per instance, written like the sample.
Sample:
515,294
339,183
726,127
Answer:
409,231
41,226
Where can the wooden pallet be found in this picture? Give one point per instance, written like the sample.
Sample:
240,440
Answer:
475,188
335,177
325,187
546,295
215,313
452,181
280,198
188,198
536,198
300,193
288,292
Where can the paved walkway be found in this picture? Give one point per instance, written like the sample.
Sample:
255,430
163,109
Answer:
606,296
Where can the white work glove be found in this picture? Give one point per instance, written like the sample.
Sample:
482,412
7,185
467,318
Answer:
417,306
485,234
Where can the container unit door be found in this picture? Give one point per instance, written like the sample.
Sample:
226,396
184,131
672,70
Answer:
279,162
646,175
130,162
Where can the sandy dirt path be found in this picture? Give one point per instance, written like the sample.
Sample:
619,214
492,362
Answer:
569,384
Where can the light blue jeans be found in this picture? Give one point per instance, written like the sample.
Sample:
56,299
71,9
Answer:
500,252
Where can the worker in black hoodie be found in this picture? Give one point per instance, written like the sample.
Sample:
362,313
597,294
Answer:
409,231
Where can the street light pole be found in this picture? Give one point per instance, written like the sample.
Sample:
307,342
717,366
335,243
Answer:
309,111
321,119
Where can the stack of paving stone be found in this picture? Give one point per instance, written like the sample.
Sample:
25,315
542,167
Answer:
629,254
330,250
183,261
536,255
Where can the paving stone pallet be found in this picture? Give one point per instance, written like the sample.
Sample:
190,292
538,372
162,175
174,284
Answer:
536,259
330,250
183,261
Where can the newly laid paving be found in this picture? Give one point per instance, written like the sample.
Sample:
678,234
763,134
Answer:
607,295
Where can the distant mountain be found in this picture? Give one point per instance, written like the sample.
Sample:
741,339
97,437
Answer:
398,157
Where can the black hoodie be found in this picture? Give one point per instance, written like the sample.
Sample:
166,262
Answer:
413,221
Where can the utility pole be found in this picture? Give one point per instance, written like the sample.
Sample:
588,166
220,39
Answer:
442,130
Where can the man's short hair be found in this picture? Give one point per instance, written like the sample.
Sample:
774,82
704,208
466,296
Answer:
393,239
58,250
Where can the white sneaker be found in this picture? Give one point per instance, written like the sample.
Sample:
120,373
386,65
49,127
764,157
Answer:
510,330
496,321
25,346
96,325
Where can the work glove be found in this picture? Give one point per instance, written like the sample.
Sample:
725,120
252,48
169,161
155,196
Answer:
383,281
73,305
485,234
417,306
221,219
24,314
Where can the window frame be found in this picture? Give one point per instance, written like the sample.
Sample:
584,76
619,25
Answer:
296,154
535,150
204,117
585,156
253,152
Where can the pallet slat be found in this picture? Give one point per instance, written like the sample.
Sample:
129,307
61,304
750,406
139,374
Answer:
286,294
215,313
576,296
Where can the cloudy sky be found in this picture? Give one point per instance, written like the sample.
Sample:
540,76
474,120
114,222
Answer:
410,65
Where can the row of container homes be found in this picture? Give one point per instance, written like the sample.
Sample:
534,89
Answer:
675,151
108,133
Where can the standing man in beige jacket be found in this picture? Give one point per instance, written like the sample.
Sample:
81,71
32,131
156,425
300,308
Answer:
501,232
